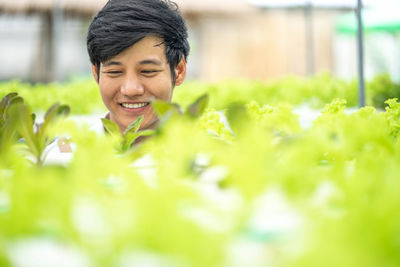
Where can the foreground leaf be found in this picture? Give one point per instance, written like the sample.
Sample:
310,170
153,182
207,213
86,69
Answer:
199,106
162,108
130,138
134,126
111,127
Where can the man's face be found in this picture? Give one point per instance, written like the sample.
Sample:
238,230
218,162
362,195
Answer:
133,79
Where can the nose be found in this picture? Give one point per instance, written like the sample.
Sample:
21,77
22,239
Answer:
132,86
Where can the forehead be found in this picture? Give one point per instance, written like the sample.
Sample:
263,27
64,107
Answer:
150,47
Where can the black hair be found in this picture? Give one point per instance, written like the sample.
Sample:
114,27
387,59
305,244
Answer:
122,23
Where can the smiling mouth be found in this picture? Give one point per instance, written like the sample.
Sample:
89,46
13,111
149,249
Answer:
134,105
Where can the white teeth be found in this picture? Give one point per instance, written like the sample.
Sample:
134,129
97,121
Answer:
136,105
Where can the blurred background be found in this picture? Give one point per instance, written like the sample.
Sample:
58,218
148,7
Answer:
45,40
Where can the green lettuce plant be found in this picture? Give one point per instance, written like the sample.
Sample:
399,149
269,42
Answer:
35,135
393,115
127,138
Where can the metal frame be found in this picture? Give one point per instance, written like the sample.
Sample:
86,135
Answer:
360,42
308,5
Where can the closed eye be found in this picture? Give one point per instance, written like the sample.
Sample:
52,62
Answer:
113,72
149,71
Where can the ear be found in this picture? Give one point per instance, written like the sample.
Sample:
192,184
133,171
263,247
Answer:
180,72
95,71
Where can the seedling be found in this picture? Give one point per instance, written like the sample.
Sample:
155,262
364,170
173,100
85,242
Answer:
129,136
35,135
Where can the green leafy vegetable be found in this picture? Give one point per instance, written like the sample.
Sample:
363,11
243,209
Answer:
129,136
36,135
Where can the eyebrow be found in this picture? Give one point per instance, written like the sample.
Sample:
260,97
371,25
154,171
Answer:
143,62
150,61
112,63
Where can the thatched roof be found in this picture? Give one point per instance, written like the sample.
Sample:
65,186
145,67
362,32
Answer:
80,7
90,7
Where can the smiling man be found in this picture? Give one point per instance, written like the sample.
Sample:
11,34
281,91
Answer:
138,50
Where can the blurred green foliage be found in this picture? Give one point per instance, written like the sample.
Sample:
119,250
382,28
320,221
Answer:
83,96
314,92
188,195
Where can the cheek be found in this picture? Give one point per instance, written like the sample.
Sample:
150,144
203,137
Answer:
107,92
166,95
162,90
